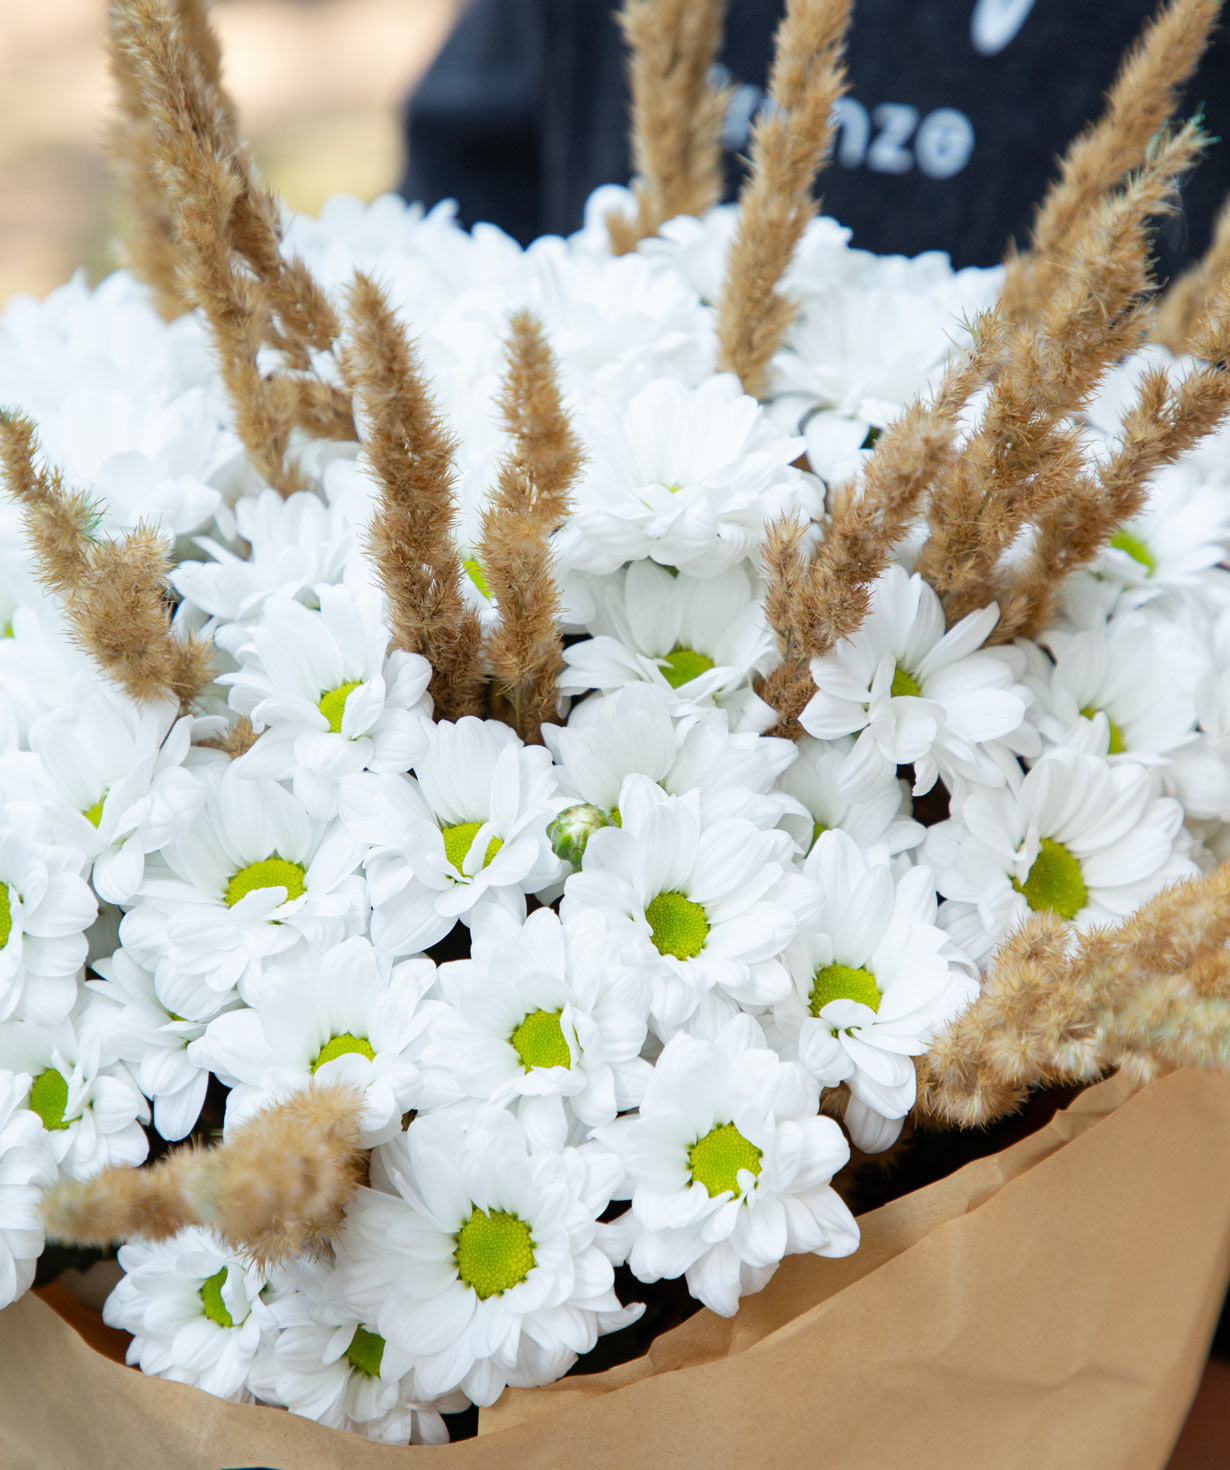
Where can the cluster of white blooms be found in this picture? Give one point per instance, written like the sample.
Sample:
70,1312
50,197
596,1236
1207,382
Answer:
593,992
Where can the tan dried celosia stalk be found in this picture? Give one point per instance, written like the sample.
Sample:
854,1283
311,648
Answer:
676,113
225,231
790,141
115,593
1021,463
1189,300
1057,1007
411,541
276,1188
1143,97
530,500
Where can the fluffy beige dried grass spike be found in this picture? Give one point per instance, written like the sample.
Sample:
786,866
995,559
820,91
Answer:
278,1186
1191,298
676,113
530,500
116,593
1142,98
410,452
790,141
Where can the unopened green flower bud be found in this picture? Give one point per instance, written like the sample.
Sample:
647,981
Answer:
573,828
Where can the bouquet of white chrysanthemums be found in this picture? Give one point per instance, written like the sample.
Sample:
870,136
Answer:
620,983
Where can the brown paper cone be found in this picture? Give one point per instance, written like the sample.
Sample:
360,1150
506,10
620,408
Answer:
1047,1307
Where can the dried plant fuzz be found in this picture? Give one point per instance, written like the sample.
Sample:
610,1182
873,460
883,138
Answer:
676,113
1184,311
277,1188
790,140
225,231
1056,1007
116,593
410,452
1144,95
530,500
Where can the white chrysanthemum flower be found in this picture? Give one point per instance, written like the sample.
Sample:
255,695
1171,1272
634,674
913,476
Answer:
143,1029
338,1016
293,544
328,697
689,478
252,880
880,822
473,825
45,909
701,640
729,1166
701,912
532,1021
918,695
1122,690
27,1168
325,1364
88,1103
874,980
195,1312
639,730
116,769
1082,838
487,1265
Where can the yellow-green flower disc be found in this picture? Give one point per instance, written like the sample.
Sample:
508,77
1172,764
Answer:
366,1352
341,1044
211,1299
459,839
270,872
539,1041
1055,883
843,982
495,1252
333,705
677,925
716,1159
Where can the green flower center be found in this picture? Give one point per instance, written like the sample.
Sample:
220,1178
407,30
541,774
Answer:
677,926
333,705
715,1159
459,839
816,829
539,1041
93,814
366,1352
1116,747
904,683
49,1098
270,872
843,982
474,570
342,1044
681,665
494,1252
1055,883
1136,549
6,915
211,1299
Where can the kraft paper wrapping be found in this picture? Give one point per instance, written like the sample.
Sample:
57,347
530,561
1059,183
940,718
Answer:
1048,1306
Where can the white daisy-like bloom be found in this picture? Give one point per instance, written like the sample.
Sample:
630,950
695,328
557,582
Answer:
534,1021
880,822
340,1016
729,1164
687,477
118,785
194,1309
640,729
874,980
1082,837
89,1105
702,912
293,544
486,1263
27,1168
1124,690
327,696
325,1364
144,1030
45,909
470,825
254,878
701,640
918,695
